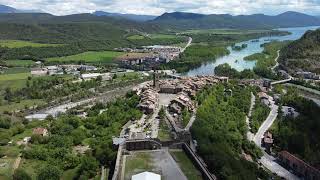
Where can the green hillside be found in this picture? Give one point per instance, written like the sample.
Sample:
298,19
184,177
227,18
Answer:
303,54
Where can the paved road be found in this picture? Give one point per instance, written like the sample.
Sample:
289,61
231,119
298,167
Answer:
188,44
313,91
266,160
267,123
105,97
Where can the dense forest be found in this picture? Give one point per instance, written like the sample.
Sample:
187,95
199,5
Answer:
299,135
220,131
302,54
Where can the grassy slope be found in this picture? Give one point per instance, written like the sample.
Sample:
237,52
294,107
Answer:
20,63
186,165
19,44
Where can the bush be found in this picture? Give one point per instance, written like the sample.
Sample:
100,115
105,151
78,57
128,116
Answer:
20,174
49,172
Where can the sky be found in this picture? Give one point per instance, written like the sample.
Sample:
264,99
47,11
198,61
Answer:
158,7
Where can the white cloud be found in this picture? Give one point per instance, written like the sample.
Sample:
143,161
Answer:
157,7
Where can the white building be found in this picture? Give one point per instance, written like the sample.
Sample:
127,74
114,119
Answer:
39,72
146,176
90,76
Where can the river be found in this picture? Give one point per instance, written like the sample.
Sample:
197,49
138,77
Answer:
235,58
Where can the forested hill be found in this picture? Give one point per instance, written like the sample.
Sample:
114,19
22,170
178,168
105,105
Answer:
260,21
303,54
59,29
77,33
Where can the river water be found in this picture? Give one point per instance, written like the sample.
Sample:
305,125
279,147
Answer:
235,58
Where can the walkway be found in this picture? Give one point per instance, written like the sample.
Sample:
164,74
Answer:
276,60
250,135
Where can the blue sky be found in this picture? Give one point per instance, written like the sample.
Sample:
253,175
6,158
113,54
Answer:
157,7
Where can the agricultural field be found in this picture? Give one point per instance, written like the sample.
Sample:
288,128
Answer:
222,31
20,63
13,80
152,36
20,44
89,57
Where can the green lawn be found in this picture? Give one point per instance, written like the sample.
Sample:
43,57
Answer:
186,165
89,57
19,44
137,163
164,131
20,63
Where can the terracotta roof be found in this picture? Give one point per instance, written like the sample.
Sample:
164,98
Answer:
39,131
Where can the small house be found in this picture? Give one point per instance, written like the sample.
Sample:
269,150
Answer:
40,131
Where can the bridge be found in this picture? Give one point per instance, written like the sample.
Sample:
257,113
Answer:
281,81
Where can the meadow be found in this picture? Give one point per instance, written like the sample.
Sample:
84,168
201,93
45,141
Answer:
20,44
222,31
152,36
88,57
14,80
20,63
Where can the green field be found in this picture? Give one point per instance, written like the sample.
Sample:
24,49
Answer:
14,81
222,31
20,63
89,57
19,44
21,105
186,165
16,76
136,37
152,36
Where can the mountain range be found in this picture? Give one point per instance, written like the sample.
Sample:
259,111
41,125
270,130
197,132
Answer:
256,21
133,17
8,9
175,20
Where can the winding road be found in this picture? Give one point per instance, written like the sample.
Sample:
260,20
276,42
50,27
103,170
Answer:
266,160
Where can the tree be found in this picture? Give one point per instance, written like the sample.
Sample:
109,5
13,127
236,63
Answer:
89,166
49,172
20,174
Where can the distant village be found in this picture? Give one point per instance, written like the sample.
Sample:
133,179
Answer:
148,56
